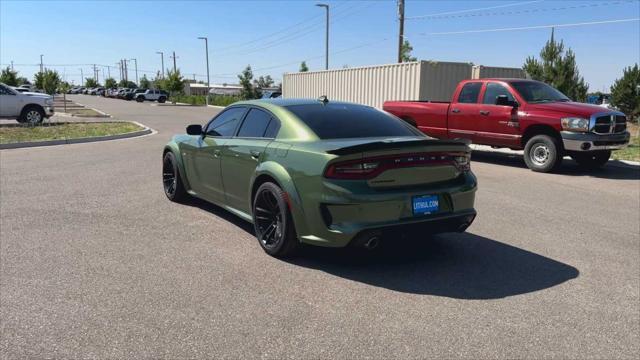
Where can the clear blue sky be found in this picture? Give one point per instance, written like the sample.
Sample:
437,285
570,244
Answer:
274,36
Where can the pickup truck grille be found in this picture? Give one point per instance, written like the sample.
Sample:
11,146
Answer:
610,124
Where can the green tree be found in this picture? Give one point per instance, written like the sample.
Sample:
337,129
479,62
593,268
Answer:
110,83
144,82
50,81
174,83
248,91
558,68
127,84
9,77
91,83
23,80
405,52
625,92
303,67
263,82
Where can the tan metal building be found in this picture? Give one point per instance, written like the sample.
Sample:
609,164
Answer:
483,72
373,85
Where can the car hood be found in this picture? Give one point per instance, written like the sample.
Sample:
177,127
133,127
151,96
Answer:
569,108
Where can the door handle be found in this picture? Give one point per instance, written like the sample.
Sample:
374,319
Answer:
455,110
484,112
255,154
216,153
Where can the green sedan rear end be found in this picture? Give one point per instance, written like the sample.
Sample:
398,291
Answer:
323,173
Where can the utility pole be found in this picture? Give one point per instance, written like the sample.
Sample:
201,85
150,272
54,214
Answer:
326,39
162,60
41,65
126,70
95,73
136,64
174,62
206,49
81,78
109,71
11,65
401,32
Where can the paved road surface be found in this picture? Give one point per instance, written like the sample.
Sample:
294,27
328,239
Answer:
96,263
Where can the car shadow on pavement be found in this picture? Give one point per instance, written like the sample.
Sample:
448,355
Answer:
569,167
456,265
460,266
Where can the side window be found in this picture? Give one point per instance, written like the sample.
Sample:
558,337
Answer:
494,90
469,93
272,129
225,124
254,124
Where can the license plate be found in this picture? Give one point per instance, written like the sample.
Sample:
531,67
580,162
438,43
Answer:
426,204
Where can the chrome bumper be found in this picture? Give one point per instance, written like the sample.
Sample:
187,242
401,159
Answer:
593,142
48,111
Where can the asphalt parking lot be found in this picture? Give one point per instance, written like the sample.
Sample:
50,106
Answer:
96,263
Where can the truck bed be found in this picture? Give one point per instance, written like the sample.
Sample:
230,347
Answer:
428,116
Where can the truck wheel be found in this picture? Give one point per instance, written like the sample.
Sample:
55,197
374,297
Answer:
542,153
32,115
592,160
140,99
162,99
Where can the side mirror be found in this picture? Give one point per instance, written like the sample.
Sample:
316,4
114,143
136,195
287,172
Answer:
503,100
194,130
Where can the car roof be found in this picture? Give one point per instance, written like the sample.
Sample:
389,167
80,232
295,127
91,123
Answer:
281,102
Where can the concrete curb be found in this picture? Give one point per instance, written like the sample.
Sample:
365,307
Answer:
145,131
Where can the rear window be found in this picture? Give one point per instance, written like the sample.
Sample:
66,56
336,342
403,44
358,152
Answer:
337,121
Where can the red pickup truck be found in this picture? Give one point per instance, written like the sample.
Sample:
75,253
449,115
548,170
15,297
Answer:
521,114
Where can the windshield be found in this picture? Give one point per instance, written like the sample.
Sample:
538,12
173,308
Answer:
537,92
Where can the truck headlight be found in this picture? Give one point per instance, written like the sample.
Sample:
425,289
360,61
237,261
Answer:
574,124
49,101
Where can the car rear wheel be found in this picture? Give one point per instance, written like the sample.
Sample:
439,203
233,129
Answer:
273,222
592,160
542,153
171,180
32,115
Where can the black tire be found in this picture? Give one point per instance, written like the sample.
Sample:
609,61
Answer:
593,159
162,99
171,180
140,99
543,153
32,114
273,223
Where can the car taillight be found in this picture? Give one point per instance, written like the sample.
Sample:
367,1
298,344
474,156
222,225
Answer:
368,168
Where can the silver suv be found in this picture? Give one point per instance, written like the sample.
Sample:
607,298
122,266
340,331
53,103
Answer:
152,95
27,107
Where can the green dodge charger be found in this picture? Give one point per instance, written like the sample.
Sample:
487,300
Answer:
323,173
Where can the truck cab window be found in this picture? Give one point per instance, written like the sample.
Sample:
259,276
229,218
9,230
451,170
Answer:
469,93
494,90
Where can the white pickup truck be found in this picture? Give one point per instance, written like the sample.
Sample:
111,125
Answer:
27,107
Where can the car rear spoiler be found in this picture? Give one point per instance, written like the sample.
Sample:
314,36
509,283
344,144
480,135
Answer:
382,145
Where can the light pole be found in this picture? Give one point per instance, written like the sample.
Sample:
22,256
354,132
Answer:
162,60
206,49
41,66
81,78
326,45
136,65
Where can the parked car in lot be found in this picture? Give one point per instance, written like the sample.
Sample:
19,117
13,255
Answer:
21,89
323,173
132,94
521,114
152,95
26,107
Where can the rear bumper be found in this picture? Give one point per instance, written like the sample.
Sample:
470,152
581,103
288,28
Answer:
594,142
335,220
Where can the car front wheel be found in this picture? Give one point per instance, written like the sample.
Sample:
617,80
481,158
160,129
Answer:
162,100
273,222
173,186
140,99
592,160
32,115
542,153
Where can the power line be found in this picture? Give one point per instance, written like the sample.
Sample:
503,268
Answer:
530,27
525,11
471,10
